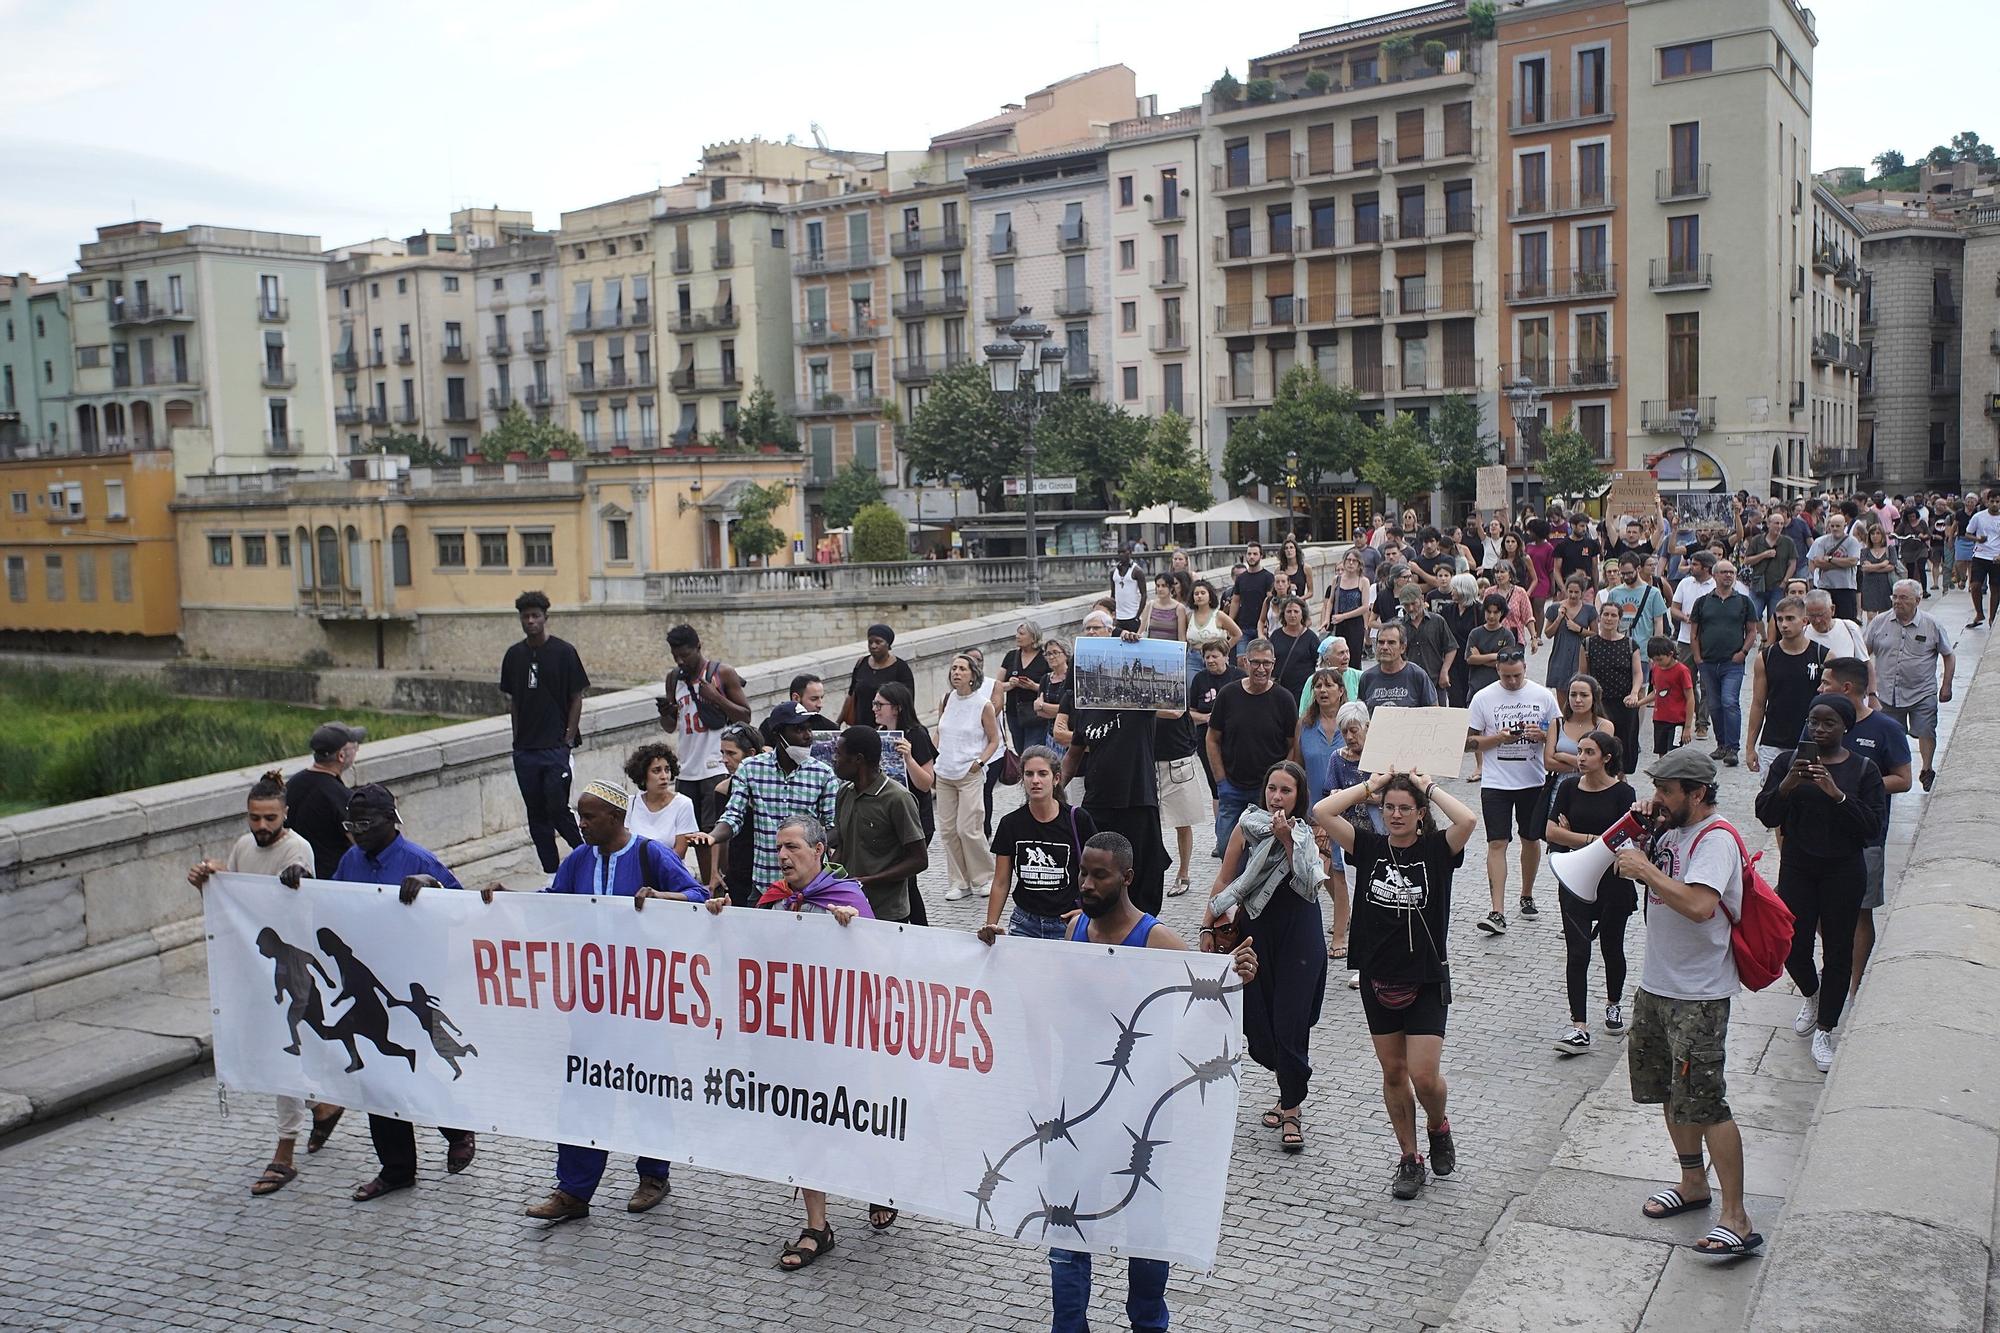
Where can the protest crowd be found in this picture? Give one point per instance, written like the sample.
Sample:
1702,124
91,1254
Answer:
1787,637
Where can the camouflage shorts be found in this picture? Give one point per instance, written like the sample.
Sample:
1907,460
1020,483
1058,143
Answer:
1675,1054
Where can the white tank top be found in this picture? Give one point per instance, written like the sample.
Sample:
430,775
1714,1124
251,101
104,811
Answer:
961,733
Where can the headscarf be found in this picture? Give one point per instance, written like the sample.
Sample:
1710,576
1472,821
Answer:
1839,703
1265,866
884,633
827,891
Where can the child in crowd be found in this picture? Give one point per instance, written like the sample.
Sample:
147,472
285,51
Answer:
1670,692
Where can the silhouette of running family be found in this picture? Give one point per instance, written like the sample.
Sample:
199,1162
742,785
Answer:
367,1017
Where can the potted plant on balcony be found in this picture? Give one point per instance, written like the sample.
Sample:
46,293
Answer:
1434,55
1260,90
1396,52
1318,81
1226,89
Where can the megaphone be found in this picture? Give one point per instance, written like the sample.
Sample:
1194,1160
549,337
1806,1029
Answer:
1580,871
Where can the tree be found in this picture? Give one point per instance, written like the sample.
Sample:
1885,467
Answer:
1940,157
755,536
519,433
1399,462
418,448
1888,162
1483,16
1095,442
1967,147
853,488
761,421
1226,88
1308,418
1461,447
879,534
1170,472
960,430
1569,464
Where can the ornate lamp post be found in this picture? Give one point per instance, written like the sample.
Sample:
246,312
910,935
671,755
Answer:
1027,371
1524,400
1291,494
1688,420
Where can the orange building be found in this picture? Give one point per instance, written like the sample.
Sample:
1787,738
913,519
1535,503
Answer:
88,546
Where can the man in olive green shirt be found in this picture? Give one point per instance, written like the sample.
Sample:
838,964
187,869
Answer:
879,838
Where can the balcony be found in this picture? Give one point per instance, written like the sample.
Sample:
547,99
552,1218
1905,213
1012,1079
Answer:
1341,162
1943,312
1073,301
1167,211
818,332
864,403
1561,107
834,259
1824,261
346,363
636,316
406,355
1562,199
1565,284
1430,300
1672,185
347,414
1825,349
154,376
1437,148
683,261
1247,389
1259,243
926,241
722,256
378,416
1330,234
1363,306
1002,309
923,369
377,358
273,309
455,413
1458,374
1853,357
1944,383
279,374
1080,370
1165,274
1848,275
500,346
1001,244
537,397
1167,338
928,301
721,380
1273,313
1443,224
1587,374
594,381
1688,273
1070,240
284,441
454,354
1832,462
715,319
1257,173
497,401
1662,416
535,343
123,313
406,415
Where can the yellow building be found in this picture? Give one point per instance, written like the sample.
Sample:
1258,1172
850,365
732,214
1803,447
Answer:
88,546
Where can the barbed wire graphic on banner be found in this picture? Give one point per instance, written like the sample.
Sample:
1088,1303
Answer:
1139,1166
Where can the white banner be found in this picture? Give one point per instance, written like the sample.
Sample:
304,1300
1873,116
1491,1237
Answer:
1058,1093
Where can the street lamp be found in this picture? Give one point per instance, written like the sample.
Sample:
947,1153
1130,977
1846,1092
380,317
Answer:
1688,420
1027,370
1291,494
1524,400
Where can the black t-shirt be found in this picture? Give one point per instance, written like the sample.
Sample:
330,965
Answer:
315,807
1444,563
541,680
1402,906
1253,587
1579,555
1056,692
1173,738
1118,775
1020,703
1610,660
1044,859
867,678
1298,658
1257,731
1204,687
1594,812
1387,608
1483,640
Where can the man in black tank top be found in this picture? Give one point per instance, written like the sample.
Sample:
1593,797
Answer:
1783,683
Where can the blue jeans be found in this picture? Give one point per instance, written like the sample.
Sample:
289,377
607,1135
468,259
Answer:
1036,927
1722,682
578,1169
1145,1293
1230,803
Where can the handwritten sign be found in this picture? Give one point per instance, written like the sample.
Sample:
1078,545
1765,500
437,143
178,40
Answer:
1415,740
1634,493
1492,489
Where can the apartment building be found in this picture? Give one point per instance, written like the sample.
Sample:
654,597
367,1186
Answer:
1347,208
611,331
87,542
1720,128
732,304
1979,356
36,357
404,330
1833,295
518,310
1569,208
1913,282
1154,225
209,342
1068,111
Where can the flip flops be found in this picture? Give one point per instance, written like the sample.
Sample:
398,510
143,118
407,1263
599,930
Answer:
1722,1243
1673,1204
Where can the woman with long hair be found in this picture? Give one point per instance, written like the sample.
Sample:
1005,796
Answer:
1492,547
1206,624
1268,887
968,737
1521,617
1584,807
1349,599
1292,564
1344,770
1402,919
1166,617
895,709
1319,739
1037,855
1611,658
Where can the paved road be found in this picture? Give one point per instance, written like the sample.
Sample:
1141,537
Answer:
138,1216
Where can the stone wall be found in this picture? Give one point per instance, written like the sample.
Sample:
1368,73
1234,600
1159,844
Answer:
1900,275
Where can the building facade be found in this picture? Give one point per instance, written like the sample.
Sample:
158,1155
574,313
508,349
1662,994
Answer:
36,357
611,346
1833,295
404,330
87,543
1979,354
1157,216
732,305
1911,327
522,347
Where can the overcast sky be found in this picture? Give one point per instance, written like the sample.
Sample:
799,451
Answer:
381,117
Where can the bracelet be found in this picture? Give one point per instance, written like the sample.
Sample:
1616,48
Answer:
1207,930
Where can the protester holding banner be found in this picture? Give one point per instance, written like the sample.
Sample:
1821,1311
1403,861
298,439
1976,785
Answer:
1586,805
658,811
1402,918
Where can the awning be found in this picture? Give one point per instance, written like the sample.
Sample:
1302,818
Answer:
1794,483
1238,509
1150,514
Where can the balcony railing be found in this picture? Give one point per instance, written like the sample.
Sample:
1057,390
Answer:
1002,309
122,312
406,355
1564,284
1437,225
1167,338
161,375
1690,273
830,404
1338,234
1944,382
378,416
496,401
537,396
406,415
926,241
722,256
454,354
1073,301
1671,184
1451,375
455,413
1436,147
1166,211
908,304
1080,369
706,381
1838,462
1588,373
1853,356
1263,242
278,374
1431,299
1001,243
1340,162
683,261
535,344
1561,198
1662,416
1071,239
1848,275
1277,312
815,332
604,381
346,363
1250,388
500,345
274,309
1166,273
1559,107
284,441
347,414
1257,173
834,259
377,358
1944,312
1824,260
922,369
1825,349
712,320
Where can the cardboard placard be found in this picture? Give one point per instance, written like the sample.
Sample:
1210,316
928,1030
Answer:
1492,495
1415,740
1634,493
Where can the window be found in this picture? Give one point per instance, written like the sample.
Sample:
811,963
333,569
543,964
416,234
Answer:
867,447
1684,247
1236,162
1593,422
402,286
86,576
1683,360
17,578
1129,383
1534,343
1677,62
538,550
450,550
1367,218
1124,191
1128,316
89,358
1128,256
1685,144
284,550
221,551
1939,440
121,576
399,557
73,499
1236,224
20,502
52,578
1531,91
617,537
493,550
256,549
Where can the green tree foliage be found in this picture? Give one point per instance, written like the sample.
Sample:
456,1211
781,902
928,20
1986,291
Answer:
1226,88
755,536
1569,464
1170,472
960,430
1483,16
520,433
1308,417
1399,461
418,448
851,489
762,421
1967,147
1940,157
1097,443
1888,162
1462,448
879,534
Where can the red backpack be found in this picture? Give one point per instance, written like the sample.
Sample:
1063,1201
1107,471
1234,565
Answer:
1761,938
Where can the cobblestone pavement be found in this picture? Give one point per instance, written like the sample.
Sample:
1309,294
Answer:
139,1216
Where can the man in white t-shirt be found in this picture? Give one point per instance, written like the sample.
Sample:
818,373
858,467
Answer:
1696,584
1508,723
1840,638
1693,883
1984,529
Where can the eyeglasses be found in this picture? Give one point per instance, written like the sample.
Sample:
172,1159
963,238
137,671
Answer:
1509,655
1261,663
1399,809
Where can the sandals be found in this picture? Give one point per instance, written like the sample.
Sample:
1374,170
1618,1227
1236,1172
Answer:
378,1187
276,1176
1671,1203
322,1129
1291,1138
822,1240
1272,1119
461,1154
1180,887
881,1217
1722,1243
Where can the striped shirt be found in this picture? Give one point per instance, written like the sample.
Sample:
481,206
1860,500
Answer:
763,796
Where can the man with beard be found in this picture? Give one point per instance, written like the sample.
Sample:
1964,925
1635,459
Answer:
268,849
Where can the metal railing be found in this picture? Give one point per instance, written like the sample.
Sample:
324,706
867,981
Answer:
535,344
706,381
1273,312
1167,338
1944,382
1258,243
1670,184
1256,173
346,362
722,256
121,311
166,375
596,381
274,310
500,345
1165,273
1065,573
459,411
1165,210
1944,312
1456,374
1070,239
1564,284
1687,274
1431,299
1561,106
347,414
278,374
909,304
837,404
1001,243
714,319
284,441
1002,309
537,395
926,240
454,354
1662,416
1825,348
1073,300
919,369
378,416
1439,146
1080,369
406,355
814,332
406,415
1251,388
834,259
683,261
1563,376
1436,225
1560,197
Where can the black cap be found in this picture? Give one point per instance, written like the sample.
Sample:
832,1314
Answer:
372,799
788,714
330,737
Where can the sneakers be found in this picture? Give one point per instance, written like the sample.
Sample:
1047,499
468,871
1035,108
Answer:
1493,923
1573,1042
1822,1048
1808,1018
1614,1018
1719,752
1410,1177
1444,1153
1528,908
1729,758
984,890
954,893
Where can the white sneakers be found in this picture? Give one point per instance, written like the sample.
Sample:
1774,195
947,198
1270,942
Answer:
954,893
983,891
1808,1018
1822,1049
